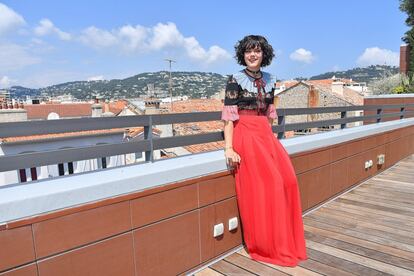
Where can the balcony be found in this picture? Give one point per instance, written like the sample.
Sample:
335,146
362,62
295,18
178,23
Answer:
156,217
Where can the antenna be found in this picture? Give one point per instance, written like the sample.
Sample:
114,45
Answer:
170,82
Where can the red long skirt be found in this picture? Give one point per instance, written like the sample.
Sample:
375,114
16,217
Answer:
267,194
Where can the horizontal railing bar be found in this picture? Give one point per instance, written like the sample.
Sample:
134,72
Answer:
335,109
13,129
179,141
36,159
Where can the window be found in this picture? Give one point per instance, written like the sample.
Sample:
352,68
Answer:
33,172
103,160
61,168
22,175
70,167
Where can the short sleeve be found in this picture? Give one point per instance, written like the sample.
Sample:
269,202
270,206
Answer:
271,112
231,97
230,113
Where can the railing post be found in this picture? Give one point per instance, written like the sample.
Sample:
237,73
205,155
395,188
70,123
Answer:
149,155
343,116
402,111
379,112
281,122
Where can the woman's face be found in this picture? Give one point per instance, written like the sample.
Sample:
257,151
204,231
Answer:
253,58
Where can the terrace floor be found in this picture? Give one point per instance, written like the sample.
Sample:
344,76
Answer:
366,231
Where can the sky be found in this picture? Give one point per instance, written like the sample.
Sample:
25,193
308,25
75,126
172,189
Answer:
46,42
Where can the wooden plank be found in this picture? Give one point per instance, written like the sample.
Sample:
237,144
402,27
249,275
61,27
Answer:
296,271
372,216
365,226
380,197
401,206
253,266
359,241
208,272
227,268
357,234
372,210
342,263
376,224
356,258
400,183
393,189
360,250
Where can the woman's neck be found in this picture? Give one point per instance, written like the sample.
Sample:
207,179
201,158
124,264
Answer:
253,72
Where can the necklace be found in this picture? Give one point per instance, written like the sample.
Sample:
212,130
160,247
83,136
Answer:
253,72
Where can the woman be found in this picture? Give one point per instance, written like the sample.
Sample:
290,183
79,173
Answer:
266,186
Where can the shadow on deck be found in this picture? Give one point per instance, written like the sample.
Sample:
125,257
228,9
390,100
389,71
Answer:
366,231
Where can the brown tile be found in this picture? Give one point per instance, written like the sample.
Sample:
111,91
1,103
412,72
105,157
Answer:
303,179
339,177
339,152
16,247
207,222
380,139
226,210
168,247
27,270
152,208
113,256
356,168
319,187
355,147
370,142
320,158
67,232
216,189
300,163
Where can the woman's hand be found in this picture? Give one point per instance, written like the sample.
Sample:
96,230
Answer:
232,157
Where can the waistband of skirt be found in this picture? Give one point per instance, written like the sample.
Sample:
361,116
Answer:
251,112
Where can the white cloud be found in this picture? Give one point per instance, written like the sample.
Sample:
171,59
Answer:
375,55
14,57
136,39
46,27
5,82
96,78
302,55
97,38
9,19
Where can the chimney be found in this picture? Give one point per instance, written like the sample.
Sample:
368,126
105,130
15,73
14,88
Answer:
404,58
338,87
97,107
152,106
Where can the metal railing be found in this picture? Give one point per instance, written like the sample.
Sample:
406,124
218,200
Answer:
150,143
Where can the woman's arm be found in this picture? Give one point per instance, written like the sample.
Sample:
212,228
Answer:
231,156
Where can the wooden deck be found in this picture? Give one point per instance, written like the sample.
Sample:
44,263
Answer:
367,231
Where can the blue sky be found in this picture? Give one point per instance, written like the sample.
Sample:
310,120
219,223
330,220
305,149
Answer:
49,42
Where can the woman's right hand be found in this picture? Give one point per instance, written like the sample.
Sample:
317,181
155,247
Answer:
232,157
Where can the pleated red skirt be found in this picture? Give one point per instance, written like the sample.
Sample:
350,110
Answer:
267,194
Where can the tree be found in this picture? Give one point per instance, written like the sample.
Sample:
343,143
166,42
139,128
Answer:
407,6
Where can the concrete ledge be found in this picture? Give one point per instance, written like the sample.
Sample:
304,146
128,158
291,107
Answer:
20,201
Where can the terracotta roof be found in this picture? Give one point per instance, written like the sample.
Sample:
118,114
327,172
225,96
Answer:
44,137
70,110
115,107
205,147
287,84
196,105
132,132
199,105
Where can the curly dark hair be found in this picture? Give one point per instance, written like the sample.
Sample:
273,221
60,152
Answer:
251,42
